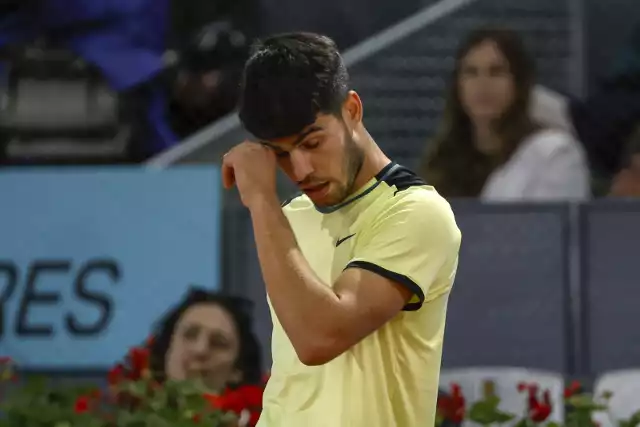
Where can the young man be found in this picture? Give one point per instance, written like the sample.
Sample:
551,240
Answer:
359,267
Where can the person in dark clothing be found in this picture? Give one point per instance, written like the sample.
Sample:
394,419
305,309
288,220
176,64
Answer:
124,39
208,77
605,120
626,183
213,38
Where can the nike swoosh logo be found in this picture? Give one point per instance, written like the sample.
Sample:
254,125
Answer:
341,241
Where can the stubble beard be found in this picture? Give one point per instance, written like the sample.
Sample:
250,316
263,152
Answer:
352,164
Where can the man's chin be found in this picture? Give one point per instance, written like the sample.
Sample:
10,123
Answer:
327,201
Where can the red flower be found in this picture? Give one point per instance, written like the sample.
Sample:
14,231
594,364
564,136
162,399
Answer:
214,400
115,375
452,407
139,357
574,388
539,411
255,417
522,386
252,395
245,398
82,405
231,401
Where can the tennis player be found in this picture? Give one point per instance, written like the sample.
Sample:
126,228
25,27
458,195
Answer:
358,268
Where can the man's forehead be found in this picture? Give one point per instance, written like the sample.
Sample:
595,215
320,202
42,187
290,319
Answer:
320,124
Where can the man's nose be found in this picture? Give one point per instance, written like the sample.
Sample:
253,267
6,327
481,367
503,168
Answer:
301,165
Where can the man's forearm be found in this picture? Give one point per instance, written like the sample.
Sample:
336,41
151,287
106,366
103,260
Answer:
307,308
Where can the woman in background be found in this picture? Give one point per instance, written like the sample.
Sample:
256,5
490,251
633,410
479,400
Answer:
626,182
209,337
489,146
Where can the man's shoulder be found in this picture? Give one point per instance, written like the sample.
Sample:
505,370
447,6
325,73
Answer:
416,213
413,200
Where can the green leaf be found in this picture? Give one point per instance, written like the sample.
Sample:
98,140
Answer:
633,421
585,402
606,395
524,422
36,384
486,412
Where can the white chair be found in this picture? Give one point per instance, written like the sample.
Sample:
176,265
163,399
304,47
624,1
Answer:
505,380
625,386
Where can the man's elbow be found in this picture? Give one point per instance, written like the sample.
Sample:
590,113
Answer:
317,353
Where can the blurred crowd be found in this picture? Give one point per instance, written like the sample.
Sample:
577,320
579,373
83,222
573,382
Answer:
120,81
116,81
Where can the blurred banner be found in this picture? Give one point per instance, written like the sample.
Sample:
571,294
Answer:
90,258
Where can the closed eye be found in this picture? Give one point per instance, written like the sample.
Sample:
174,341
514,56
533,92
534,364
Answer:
310,145
498,70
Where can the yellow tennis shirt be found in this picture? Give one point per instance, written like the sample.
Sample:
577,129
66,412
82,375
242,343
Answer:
400,228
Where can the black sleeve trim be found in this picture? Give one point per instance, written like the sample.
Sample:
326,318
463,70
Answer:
398,278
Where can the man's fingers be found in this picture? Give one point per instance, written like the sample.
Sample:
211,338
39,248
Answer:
228,176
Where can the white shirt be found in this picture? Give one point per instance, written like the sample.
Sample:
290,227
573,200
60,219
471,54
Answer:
549,165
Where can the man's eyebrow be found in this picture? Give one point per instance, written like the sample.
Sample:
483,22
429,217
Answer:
306,133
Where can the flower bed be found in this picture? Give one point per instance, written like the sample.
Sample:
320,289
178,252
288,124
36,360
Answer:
579,408
133,399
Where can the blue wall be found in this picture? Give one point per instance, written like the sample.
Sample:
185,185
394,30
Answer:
90,258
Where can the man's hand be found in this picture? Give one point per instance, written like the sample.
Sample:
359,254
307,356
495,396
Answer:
252,168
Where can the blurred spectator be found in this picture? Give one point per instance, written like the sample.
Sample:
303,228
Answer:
208,336
208,77
188,17
605,120
489,146
626,183
124,39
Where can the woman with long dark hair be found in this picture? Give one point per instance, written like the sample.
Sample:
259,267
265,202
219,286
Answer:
488,145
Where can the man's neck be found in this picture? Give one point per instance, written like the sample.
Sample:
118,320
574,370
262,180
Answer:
374,161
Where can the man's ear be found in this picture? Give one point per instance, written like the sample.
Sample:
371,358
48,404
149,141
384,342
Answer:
352,110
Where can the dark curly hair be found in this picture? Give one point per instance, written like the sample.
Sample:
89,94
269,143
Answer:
288,80
240,309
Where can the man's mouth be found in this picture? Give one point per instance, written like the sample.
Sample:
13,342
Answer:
315,189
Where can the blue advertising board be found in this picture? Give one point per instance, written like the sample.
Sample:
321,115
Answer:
91,258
